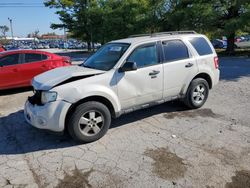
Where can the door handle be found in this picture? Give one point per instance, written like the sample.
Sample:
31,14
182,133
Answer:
189,65
153,73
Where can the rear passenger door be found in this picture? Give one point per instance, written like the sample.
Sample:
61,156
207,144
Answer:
32,65
179,67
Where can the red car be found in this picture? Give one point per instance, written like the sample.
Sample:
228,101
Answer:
2,48
18,67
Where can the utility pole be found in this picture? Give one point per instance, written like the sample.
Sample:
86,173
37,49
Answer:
11,28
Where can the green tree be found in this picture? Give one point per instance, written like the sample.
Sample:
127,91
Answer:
4,29
74,15
218,17
34,34
105,20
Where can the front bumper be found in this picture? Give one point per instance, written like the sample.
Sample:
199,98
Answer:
50,116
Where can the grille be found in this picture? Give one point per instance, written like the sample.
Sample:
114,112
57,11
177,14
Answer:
36,98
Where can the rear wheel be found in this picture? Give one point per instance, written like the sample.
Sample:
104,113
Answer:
197,93
89,122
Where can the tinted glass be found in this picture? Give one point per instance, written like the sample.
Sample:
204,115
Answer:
32,58
175,50
43,57
144,56
9,60
106,57
201,46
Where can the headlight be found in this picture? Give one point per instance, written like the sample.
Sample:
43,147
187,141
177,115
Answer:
48,96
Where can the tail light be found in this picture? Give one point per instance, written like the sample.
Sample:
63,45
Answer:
216,62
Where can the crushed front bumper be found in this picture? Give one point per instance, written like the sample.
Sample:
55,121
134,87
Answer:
50,116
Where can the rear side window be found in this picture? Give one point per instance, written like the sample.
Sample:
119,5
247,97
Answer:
9,60
201,46
43,57
175,50
34,57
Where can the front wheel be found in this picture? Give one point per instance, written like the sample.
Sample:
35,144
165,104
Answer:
89,122
197,93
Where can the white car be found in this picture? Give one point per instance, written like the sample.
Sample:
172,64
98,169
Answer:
123,76
243,44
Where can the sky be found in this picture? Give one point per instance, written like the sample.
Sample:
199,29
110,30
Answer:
27,19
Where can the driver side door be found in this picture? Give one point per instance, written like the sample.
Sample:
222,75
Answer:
144,85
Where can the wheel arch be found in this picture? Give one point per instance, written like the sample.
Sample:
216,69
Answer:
203,75
206,77
96,98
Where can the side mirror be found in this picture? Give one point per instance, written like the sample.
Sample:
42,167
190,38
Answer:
128,66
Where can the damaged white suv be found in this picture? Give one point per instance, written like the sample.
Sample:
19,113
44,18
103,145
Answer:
123,76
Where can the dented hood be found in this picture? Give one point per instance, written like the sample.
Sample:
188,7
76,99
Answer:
52,78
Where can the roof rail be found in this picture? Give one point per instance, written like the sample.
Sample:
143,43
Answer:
163,33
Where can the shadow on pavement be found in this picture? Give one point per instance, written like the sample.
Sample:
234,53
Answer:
234,68
14,91
174,106
17,137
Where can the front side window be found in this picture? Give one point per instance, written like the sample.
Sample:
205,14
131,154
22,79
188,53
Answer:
32,57
106,57
145,55
9,60
174,50
201,46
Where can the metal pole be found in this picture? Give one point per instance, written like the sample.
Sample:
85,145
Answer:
11,28
65,38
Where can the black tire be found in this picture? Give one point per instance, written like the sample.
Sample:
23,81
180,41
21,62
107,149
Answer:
192,102
76,129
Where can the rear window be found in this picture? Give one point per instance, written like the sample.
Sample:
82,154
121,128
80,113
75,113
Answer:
175,50
29,57
43,57
201,46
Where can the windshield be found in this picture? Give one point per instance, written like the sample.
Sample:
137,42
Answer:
106,57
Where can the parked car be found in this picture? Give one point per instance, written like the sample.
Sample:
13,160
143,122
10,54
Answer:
12,47
2,48
217,43
123,76
17,68
243,44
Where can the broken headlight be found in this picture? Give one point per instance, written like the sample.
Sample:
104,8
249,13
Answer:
48,96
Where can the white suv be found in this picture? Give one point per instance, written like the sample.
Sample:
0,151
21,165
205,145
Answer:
123,76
